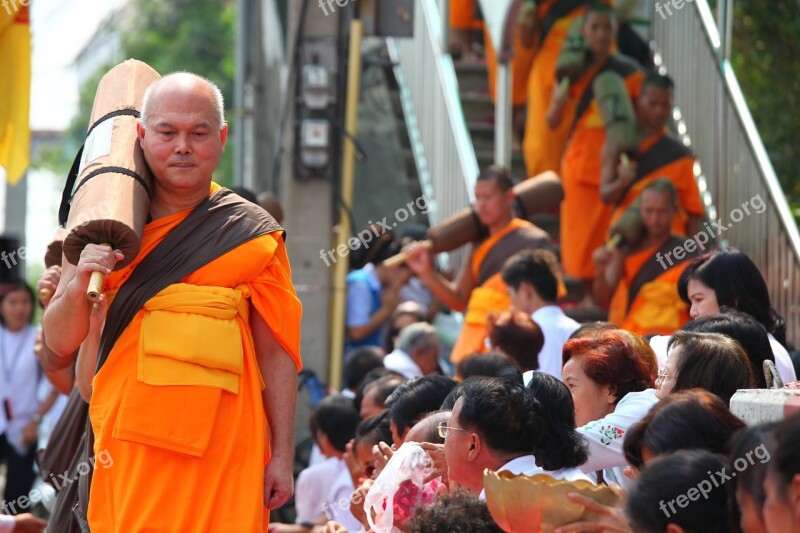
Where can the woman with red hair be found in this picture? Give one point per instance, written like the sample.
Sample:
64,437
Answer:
610,375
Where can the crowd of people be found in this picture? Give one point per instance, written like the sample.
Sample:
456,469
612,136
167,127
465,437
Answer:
197,379
640,403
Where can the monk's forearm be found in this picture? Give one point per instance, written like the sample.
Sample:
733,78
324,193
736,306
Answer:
280,400
62,379
53,362
66,321
85,366
444,292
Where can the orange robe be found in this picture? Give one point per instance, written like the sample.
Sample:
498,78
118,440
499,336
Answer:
584,216
542,146
463,15
491,295
178,404
520,68
679,170
656,309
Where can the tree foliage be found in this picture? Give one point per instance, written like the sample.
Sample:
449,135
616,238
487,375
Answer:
766,57
169,35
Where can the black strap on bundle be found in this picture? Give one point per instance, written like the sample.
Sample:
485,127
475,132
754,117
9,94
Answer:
69,187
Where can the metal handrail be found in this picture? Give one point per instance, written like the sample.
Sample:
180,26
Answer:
725,139
440,141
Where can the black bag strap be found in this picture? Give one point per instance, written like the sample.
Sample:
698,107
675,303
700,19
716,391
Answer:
69,187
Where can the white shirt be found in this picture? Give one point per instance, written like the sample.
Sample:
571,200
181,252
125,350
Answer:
556,327
19,380
7,524
325,488
525,465
401,362
604,437
783,361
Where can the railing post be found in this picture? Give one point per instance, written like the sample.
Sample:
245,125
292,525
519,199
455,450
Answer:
502,114
725,25
444,11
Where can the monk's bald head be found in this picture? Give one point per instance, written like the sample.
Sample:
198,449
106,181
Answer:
184,89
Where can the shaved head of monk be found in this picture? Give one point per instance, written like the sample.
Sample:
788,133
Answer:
494,197
183,134
600,30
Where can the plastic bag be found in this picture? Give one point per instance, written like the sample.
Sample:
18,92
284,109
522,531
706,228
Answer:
400,488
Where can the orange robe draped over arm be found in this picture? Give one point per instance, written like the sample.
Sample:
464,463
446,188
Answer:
584,216
177,409
656,309
542,146
491,295
680,172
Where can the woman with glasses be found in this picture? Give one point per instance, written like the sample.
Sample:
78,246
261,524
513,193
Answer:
709,361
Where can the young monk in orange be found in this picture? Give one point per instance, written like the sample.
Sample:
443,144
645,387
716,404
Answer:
661,155
543,147
198,442
639,283
584,217
479,288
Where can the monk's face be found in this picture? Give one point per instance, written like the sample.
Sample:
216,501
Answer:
600,32
182,140
654,107
657,210
493,204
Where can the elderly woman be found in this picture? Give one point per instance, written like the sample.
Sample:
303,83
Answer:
709,361
611,378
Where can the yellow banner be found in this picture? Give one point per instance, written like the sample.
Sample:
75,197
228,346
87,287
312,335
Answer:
15,88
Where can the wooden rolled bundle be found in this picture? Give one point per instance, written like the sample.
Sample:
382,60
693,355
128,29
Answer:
575,58
535,195
617,111
52,256
628,230
112,196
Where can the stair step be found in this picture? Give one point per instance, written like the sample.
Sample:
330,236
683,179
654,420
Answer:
485,158
472,76
477,106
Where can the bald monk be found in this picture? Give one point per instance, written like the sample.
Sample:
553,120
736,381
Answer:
661,155
543,147
479,288
584,217
638,283
198,442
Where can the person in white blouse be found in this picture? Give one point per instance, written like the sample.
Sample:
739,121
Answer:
19,379
611,378
532,281
729,278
